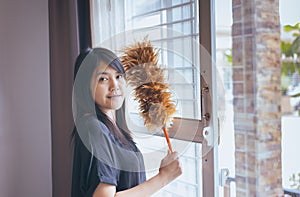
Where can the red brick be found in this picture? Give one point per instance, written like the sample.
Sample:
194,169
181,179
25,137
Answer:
237,14
238,74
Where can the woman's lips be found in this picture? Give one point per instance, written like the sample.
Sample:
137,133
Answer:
113,96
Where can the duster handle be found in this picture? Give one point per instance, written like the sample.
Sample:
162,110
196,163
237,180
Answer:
168,139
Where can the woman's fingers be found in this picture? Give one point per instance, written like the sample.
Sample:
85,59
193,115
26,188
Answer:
172,154
169,158
170,166
171,161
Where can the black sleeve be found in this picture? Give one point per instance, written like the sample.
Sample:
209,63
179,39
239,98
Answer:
98,141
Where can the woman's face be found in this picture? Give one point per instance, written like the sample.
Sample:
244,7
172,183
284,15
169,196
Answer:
108,88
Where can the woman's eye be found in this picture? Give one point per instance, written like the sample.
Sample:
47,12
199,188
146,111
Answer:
103,79
120,76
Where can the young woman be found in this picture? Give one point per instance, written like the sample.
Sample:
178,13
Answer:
106,161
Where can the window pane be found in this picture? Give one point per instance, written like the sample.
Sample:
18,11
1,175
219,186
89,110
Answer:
175,24
177,38
190,182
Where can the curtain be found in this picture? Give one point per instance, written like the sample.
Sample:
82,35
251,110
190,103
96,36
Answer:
66,41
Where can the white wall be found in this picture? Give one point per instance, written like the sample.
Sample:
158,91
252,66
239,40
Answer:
289,15
25,140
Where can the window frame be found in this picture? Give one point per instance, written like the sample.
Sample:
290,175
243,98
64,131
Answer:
208,132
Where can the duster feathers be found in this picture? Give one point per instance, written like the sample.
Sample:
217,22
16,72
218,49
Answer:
148,80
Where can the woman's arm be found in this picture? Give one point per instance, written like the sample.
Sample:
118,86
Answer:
169,170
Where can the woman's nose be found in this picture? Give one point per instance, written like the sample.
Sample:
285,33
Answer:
114,85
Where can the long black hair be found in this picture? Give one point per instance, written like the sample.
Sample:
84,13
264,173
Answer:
83,102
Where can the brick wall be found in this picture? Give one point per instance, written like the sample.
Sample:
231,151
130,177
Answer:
257,93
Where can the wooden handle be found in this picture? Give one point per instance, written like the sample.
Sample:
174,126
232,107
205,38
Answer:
168,139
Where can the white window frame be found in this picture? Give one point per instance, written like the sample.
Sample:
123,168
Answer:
208,132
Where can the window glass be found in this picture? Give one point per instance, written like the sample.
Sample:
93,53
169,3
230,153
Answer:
176,34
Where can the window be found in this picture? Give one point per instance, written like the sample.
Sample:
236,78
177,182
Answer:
173,28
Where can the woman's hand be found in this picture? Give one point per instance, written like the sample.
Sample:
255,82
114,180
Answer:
170,167
169,170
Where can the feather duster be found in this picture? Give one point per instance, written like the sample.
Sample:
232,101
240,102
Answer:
150,87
